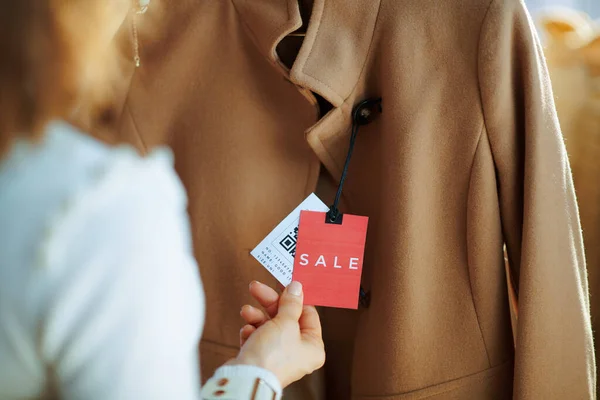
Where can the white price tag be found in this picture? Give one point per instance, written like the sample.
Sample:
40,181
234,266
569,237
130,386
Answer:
276,252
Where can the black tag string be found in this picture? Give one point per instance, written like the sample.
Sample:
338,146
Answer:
364,113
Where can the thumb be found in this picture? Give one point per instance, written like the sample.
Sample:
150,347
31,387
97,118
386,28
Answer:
290,302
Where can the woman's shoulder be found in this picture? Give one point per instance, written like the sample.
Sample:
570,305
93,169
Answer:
68,176
66,160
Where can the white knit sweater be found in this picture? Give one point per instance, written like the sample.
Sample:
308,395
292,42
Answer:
100,296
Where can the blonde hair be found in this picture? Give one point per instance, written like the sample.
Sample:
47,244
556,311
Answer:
44,45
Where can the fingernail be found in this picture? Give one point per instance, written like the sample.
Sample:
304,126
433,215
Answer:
295,288
252,283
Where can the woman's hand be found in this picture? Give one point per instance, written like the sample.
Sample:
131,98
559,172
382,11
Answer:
285,338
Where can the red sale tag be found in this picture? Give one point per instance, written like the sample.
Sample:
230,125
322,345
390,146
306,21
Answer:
329,259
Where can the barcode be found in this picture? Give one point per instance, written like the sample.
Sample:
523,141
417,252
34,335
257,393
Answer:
289,242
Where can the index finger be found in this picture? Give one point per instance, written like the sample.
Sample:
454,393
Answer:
266,297
310,322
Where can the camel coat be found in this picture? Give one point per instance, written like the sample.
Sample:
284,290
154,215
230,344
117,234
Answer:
466,157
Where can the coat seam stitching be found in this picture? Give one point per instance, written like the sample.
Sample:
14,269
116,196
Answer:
310,56
312,47
498,369
483,131
126,101
247,27
308,187
126,107
136,130
253,36
479,45
467,240
369,51
326,150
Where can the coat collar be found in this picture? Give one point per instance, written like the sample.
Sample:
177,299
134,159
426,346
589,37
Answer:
335,48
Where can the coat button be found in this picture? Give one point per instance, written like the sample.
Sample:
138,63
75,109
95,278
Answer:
364,113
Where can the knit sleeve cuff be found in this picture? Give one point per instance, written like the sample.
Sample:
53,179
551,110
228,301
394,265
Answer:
250,371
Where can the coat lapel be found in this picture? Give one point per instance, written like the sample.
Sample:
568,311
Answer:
335,49
330,62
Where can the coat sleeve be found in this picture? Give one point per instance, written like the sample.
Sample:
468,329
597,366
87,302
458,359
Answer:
554,351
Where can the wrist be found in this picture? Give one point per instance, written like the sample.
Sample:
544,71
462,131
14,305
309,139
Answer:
246,359
243,359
